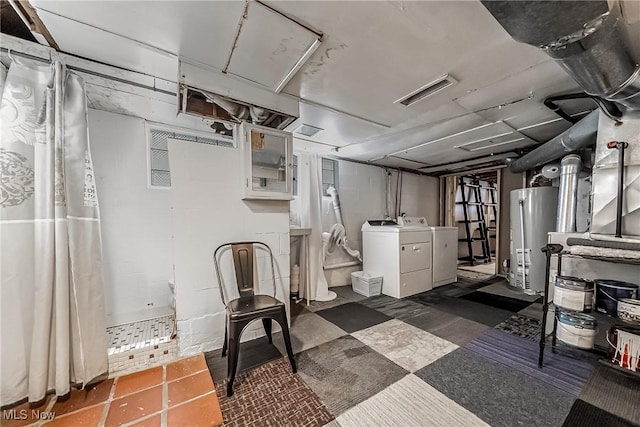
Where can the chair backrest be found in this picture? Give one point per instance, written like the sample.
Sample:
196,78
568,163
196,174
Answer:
243,255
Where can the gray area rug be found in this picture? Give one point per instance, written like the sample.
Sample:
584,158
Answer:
496,393
614,392
308,330
453,328
477,312
561,371
396,308
345,372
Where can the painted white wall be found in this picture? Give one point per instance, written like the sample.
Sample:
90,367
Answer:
207,210
135,220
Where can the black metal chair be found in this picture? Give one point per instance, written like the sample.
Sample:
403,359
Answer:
248,306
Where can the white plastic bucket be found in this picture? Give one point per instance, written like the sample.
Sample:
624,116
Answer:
365,284
572,293
578,330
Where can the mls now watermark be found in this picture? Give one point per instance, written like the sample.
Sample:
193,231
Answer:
25,414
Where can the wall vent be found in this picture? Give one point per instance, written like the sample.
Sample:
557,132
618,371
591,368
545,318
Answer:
427,90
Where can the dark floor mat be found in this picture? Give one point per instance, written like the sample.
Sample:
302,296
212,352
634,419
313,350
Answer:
470,283
497,301
396,308
583,414
353,317
252,354
477,312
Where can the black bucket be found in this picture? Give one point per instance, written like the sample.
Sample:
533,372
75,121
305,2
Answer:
609,292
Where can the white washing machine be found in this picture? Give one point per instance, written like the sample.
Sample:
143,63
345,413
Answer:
400,253
445,255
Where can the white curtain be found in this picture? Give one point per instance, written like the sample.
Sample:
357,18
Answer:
310,213
52,308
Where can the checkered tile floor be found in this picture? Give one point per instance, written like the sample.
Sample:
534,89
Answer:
435,359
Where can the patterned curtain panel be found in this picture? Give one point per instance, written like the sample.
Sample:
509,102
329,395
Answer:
52,305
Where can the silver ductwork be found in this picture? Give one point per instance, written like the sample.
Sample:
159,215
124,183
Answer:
589,40
568,194
578,136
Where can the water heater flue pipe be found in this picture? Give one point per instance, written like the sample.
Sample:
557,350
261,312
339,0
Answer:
568,193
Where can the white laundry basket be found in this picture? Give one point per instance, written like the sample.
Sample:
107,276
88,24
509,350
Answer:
365,284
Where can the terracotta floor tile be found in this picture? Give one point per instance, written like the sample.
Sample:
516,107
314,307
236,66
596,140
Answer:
155,421
134,406
7,417
80,399
137,381
189,387
184,367
89,417
204,411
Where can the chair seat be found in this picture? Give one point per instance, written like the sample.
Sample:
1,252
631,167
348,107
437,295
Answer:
252,306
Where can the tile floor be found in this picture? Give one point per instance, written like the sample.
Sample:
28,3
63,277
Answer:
180,393
140,345
432,359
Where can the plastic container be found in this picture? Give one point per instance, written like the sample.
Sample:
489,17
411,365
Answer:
629,310
573,293
624,342
294,281
577,329
609,292
365,284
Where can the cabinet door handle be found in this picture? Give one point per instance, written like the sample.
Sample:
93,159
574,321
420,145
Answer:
417,248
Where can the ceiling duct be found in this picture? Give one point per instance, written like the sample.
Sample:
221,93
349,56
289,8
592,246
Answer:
578,136
210,94
587,39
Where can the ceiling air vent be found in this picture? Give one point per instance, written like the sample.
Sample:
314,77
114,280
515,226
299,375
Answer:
307,130
427,90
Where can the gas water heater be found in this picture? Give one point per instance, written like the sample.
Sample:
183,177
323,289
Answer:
533,216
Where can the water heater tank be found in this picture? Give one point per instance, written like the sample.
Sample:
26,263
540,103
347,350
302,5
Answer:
533,216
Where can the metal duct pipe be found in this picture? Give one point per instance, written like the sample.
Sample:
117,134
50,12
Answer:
580,135
568,193
587,39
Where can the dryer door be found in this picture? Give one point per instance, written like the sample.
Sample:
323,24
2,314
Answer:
415,256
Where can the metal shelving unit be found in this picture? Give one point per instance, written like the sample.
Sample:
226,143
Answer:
551,250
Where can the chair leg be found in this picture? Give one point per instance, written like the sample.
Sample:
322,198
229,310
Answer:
287,339
266,322
235,330
226,338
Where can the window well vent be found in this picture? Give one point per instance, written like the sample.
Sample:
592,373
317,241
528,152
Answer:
427,90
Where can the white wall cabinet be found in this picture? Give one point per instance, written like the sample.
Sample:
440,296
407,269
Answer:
267,162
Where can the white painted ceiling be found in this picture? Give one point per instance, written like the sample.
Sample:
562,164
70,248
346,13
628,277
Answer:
372,53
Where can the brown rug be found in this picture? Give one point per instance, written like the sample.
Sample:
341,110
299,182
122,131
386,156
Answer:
271,395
